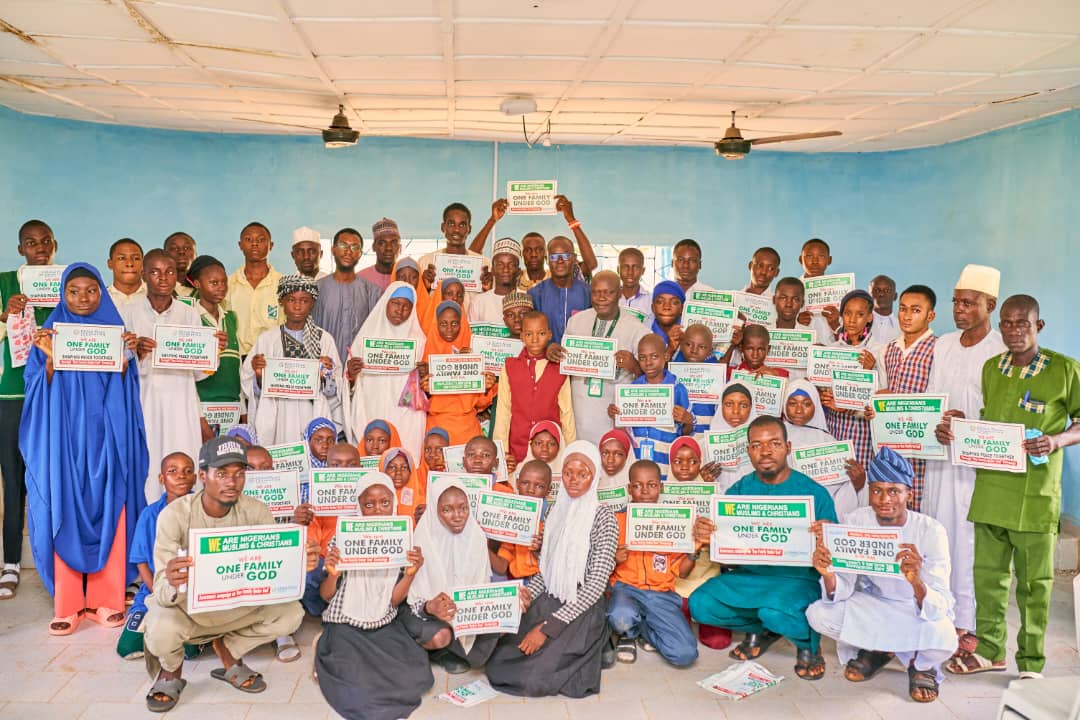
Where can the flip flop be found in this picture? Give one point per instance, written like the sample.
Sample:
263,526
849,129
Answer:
809,665
753,645
973,664
625,650
171,689
72,622
239,674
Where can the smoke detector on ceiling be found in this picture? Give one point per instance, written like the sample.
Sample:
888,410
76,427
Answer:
518,106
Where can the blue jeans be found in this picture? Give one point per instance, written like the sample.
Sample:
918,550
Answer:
655,616
312,600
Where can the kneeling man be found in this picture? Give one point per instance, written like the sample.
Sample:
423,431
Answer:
873,618
234,633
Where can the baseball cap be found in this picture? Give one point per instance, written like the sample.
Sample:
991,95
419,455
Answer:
221,451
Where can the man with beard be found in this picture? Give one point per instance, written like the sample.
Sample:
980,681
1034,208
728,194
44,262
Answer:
345,298
307,252
767,602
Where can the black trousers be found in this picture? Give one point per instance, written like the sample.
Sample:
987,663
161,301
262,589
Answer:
14,471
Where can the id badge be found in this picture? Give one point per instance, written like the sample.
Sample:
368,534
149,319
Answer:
594,387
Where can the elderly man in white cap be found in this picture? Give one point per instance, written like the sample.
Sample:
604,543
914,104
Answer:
307,252
505,269
957,370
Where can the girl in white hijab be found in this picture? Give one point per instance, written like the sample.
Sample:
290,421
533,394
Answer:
396,398
363,628
735,411
804,418
456,555
564,631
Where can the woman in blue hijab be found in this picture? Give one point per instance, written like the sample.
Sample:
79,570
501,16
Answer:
83,439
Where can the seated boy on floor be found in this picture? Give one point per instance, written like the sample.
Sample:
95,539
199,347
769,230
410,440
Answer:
177,478
523,561
644,604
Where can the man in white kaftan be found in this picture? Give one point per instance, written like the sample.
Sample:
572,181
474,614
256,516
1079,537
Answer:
958,361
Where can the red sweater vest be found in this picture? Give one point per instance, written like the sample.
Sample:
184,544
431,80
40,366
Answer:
531,400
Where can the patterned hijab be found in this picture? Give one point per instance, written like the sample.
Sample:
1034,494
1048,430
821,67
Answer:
310,347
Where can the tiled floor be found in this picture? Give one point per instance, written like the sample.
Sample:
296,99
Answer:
80,676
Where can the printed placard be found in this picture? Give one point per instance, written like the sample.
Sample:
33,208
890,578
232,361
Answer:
242,566
763,530
988,445
703,381
220,416
333,491
92,348
720,320
853,389
616,498
487,609
825,463
388,357
531,197
660,527
290,378
369,462
713,297
185,347
455,374
789,348
727,448
906,423
510,518
768,391
291,456
373,542
278,489
589,357
824,360
740,680
496,350
697,494
494,330
474,485
645,405
20,336
41,284
826,290
863,550
465,268
757,309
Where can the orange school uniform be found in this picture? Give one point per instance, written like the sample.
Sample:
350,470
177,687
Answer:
646,570
523,562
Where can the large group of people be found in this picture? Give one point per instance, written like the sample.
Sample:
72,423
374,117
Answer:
117,468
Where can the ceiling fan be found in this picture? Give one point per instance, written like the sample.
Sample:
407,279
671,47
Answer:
339,134
734,147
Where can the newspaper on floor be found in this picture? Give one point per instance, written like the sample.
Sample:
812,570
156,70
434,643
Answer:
741,680
468,695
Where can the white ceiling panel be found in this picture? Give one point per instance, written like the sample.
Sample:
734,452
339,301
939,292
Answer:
888,75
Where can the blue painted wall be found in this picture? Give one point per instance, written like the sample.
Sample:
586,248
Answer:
1007,199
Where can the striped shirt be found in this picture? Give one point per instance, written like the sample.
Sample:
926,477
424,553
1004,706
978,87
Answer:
662,438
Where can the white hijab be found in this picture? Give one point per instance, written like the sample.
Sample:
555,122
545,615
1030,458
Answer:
729,476
816,431
376,396
368,592
567,533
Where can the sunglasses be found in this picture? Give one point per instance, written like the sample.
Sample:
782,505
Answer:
561,257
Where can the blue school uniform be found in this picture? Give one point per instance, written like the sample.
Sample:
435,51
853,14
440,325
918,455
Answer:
703,412
657,441
142,548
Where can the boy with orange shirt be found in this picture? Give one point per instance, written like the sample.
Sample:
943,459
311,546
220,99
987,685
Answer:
523,561
644,604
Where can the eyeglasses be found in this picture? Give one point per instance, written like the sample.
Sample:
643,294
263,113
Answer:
560,257
354,247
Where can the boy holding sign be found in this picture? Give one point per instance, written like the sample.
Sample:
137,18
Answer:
523,561
903,607
644,604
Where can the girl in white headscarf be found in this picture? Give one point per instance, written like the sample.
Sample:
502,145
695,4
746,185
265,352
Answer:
804,419
735,411
456,555
395,398
363,627
558,649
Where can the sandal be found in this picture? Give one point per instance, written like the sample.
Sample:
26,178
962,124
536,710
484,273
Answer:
171,689
925,680
809,665
65,625
626,650
286,649
646,645
130,593
105,616
241,677
972,664
753,645
866,665
9,583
